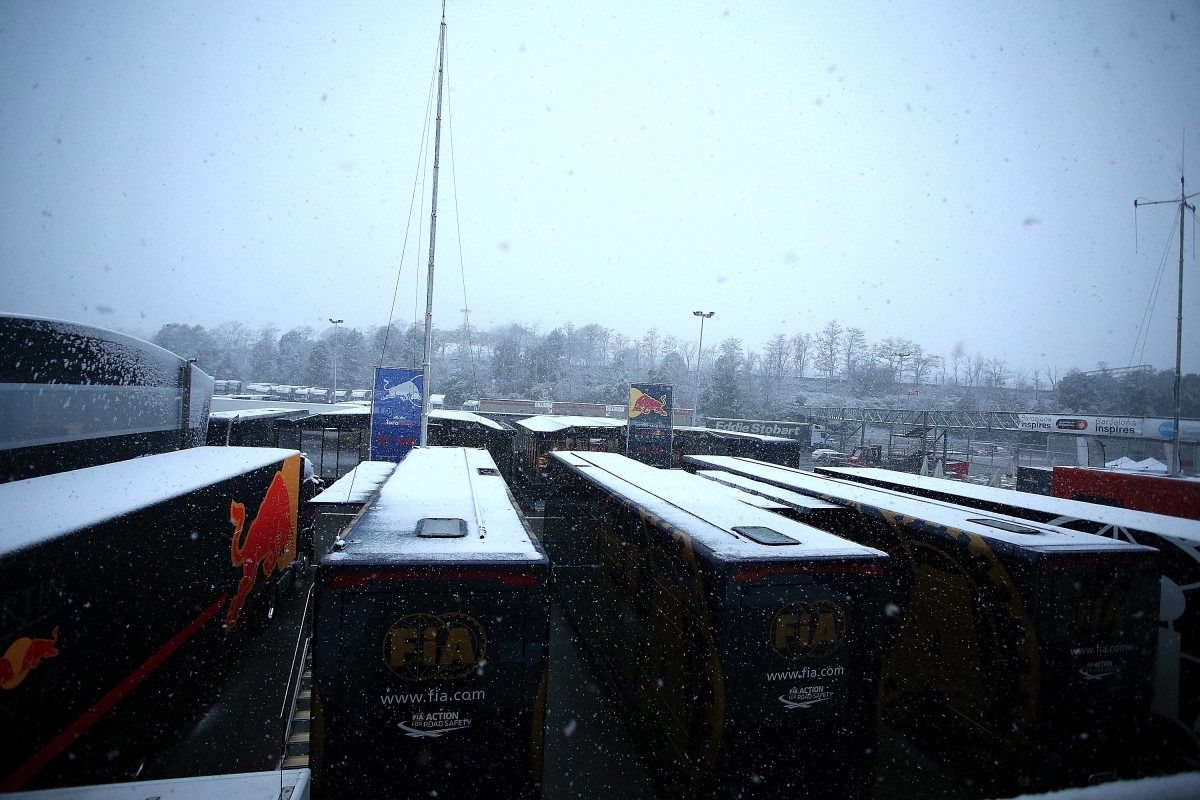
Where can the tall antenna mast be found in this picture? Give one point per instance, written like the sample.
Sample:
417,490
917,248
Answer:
437,149
1184,206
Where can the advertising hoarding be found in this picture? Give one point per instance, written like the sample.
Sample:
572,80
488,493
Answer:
395,413
650,412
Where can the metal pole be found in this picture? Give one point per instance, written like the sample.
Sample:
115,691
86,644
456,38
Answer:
699,352
437,147
1178,334
336,323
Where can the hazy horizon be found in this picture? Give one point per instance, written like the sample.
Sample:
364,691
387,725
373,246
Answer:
944,174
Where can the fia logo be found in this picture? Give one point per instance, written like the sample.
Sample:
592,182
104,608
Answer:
422,647
808,630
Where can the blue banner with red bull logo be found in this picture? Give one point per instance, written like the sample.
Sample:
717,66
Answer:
650,409
395,413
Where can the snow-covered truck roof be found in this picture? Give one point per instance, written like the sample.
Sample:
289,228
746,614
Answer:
440,484
995,528
710,516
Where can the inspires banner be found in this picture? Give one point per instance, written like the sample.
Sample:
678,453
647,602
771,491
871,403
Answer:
395,413
650,409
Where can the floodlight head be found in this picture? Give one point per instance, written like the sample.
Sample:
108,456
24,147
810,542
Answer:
704,314
336,321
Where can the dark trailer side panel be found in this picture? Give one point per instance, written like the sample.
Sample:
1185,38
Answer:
432,626
1026,651
124,587
743,647
1177,674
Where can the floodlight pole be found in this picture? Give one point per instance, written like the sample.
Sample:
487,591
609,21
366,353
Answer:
703,315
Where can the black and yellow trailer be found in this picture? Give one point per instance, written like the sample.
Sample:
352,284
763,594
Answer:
1177,673
1025,655
743,648
430,640
125,593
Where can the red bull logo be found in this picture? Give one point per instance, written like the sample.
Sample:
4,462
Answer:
640,403
270,543
23,655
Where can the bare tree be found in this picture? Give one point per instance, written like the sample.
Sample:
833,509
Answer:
776,358
688,351
975,369
996,373
854,347
802,346
1052,377
648,348
920,365
828,347
958,359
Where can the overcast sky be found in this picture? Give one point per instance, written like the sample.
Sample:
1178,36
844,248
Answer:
948,173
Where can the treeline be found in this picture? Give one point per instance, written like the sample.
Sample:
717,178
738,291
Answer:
1147,393
592,363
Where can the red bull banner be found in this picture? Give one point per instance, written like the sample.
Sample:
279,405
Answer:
650,410
395,413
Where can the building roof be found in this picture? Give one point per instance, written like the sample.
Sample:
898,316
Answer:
553,424
465,416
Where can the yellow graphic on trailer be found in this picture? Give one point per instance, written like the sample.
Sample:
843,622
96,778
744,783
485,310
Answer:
423,647
808,630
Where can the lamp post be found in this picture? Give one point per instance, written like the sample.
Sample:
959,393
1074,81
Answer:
703,315
335,322
902,356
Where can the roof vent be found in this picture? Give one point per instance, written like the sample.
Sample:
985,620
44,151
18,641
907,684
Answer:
763,535
488,471
439,528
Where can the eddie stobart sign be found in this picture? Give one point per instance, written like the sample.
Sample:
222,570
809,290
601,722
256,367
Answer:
788,430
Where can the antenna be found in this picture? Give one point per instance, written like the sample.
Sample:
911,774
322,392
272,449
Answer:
437,150
1184,206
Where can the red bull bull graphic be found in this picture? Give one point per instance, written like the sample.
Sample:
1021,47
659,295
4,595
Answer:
641,403
395,413
270,543
23,655
650,410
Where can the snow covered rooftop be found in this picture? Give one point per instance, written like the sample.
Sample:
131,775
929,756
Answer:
554,424
256,413
441,483
52,505
465,416
359,484
995,527
696,507
1159,524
